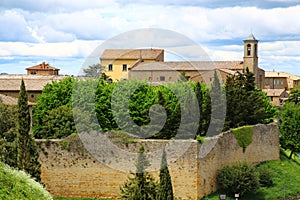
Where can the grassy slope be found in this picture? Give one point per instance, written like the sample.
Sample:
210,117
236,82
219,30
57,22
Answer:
285,172
18,185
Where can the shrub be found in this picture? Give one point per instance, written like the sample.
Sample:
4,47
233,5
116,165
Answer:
265,177
240,178
200,139
243,135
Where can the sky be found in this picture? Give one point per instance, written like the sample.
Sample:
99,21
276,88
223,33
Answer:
64,33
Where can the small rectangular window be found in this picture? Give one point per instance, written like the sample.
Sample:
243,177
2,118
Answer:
124,67
110,67
162,78
33,72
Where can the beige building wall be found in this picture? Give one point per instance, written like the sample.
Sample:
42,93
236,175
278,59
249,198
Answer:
277,83
117,72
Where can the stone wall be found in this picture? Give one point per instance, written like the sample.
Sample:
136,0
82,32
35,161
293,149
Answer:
68,169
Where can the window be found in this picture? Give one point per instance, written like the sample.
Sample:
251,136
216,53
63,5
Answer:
110,67
162,78
124,67
248,49
255,49
33,72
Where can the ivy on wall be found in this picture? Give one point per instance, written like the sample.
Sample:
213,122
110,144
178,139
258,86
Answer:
243,136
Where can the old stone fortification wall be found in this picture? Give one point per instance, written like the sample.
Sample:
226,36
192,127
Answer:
70,170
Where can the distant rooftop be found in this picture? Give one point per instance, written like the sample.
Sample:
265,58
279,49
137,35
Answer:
274,74
42,66
32,83
131,53
189,66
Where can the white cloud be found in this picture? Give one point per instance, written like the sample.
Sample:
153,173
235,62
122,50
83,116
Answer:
75,48
54,28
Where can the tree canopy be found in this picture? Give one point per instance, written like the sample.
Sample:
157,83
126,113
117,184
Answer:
246,105
94,71
290,127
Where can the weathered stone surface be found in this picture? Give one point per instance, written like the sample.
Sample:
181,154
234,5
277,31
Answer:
70,170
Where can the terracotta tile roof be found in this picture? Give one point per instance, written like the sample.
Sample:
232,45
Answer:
42,66
273,92
8,100
227,71
32,83
131,54
189,66
274,74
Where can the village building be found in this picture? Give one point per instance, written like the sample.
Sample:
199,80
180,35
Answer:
42,69
148,64
10,85
117,62
277,96
281,80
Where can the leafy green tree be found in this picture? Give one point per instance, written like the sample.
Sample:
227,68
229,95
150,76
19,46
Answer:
27,152
165,190
290,127
58,123
94,71
103,109
240,178
53,96
8,133
141,186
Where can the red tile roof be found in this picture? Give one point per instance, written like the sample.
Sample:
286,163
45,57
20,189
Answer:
42,66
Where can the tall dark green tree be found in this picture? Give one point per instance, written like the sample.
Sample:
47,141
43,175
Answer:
204,102
27,153
246,105
141,186
294,95
165,190
218,107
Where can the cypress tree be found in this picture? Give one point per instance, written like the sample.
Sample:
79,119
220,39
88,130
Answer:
142,185
218,107
165,190
27,154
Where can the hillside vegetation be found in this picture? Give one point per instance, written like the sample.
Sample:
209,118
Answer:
16,184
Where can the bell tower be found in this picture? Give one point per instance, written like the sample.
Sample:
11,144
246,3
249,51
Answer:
250,55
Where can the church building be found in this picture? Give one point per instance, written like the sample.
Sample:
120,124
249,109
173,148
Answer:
149,64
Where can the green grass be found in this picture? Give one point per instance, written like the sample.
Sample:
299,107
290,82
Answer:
71,198
16,184
284,172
